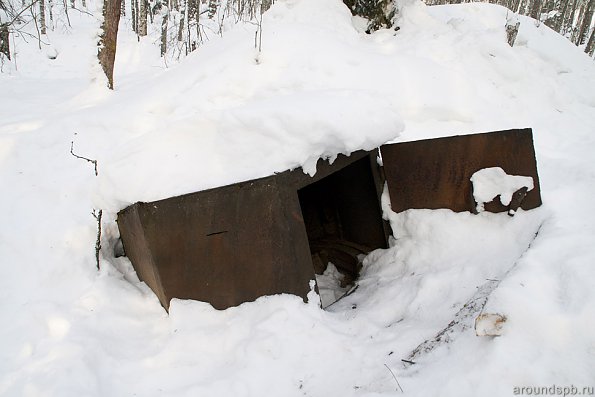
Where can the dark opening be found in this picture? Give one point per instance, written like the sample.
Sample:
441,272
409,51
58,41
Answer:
344,222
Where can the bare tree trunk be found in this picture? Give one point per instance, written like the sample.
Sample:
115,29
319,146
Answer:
150,11
42,17
66,13
142,18
559,24
182,20
122,10
164,31
212,8
51,10
535,9
133,11
108,39
585,24
590,48
197,16
576,28
4,40
570,21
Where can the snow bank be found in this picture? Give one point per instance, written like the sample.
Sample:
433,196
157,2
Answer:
320,87
216,117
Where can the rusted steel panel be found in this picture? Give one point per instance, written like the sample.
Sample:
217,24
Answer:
224,246
435,173
133,238
235,243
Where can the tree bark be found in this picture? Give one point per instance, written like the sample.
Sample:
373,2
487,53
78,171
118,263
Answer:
164,32
182,20
559,24
51,11
576,28
586,22
108,39
133,12
590,48
4,40
535,9
42,24
142,18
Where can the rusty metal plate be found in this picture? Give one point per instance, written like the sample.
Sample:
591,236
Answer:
235,243
435,173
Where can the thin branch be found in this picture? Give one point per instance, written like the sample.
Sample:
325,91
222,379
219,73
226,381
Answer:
395,378
36,28
22,11
94,162
98,241
23,34
81,11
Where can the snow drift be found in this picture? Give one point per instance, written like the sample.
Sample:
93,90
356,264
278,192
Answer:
225,114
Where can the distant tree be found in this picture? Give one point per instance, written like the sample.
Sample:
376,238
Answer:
42,24
107,41
535,9
559,22
379,13
4,40
142,17
583,30
182,20
212,8
590,48
164,31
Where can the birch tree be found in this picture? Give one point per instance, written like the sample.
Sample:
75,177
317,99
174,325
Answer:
142,17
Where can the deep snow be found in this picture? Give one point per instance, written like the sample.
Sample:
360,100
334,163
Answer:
320,87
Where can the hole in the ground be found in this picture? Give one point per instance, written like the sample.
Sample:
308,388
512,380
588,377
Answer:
343,221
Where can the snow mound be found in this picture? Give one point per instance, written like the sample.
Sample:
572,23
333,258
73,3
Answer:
488,183
225,114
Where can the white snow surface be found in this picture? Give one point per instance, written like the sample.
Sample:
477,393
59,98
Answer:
225,114
488,183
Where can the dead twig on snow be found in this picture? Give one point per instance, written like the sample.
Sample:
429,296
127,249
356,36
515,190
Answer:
98,215
394,377
94,162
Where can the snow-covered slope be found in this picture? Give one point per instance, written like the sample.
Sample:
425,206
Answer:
225,114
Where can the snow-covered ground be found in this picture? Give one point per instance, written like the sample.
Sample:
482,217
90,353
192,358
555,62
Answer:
225,114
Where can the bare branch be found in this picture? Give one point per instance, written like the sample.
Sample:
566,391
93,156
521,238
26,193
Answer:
94,162
98,216
22,11
394,377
